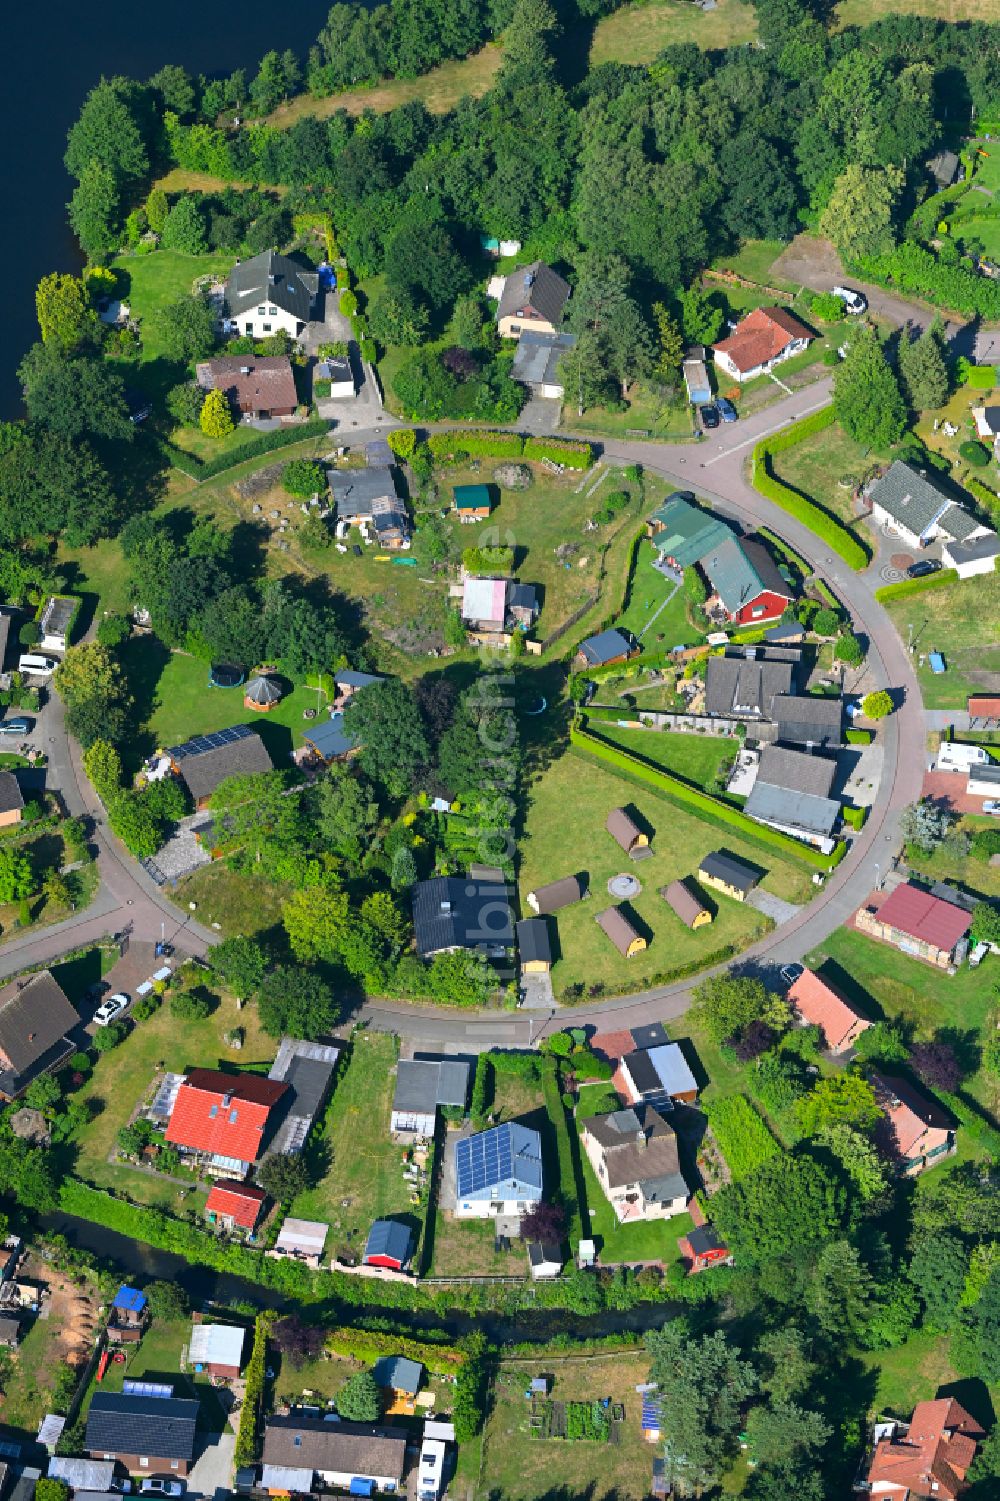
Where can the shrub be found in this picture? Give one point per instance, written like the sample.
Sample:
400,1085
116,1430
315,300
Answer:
488,559
979,377
854,817
825,622
240,453
402,441
906,587
974,453
303,477
876,705
349,304
477,443
113,630
743,1138
574,455
859,737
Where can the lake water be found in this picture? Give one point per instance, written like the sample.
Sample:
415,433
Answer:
55,54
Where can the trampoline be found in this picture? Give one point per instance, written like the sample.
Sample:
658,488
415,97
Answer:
538,707
225,675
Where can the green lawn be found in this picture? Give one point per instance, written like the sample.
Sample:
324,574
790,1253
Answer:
977,876
122,1077
818,464
656,612
638,32
152,281
754,260
556,844
225,896
649,1240
158,1356
647,412
963,624
696,758
363,1178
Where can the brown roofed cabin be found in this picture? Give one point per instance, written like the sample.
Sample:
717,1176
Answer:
208,760
691,910
820,1004
984,706
613,922
626,833
556,895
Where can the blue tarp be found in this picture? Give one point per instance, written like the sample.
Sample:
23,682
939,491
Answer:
937,661
361,1487
129,1298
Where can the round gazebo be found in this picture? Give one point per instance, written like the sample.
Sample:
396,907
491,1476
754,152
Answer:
261,693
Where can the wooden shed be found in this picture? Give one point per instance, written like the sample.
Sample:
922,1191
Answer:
625,832
623,935
690,908
556,895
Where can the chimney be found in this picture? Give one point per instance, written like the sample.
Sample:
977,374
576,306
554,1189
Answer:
446,906
244,369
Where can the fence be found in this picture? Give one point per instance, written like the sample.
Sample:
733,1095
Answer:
571,621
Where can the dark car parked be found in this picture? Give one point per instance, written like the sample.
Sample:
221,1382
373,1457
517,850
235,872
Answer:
726,409
709,416
923,568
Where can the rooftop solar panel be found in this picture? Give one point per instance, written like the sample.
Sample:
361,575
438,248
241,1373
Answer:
202,743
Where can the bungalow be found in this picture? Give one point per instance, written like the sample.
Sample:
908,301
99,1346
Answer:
270,294
683,533
761,340
817,1003
302,1240
367,498
545,900
616,926
928,1457
627,834
919,923
148,1435
36,1023
329,739
235,1206
57,621
471,502
536,363
305,1453
634,1154
728,874
914,1130
979,555
423,1087
532,300
11,800
451,913
984,780
659,1076
809,719
498,1172
222,1121
389,1245
217,1349
983,706
681,899
703,1248
258,387
522,604
943,167
208,760
347,683
791,793
747,586
484,604
605,649
533,946
911,504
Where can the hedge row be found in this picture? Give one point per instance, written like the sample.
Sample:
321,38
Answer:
912,268
481,443
683,971
702,802
848,547
368,1345
860,737
568,451
854,817
906,587
250,448
979,377
247,1438
570,1174
744,1140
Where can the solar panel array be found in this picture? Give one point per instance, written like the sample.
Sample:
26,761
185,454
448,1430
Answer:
147,1389
202,743
483,1161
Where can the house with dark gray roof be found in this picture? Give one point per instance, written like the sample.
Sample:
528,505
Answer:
367,498
532,300
605,648
11,799
801,814
634,1154
743,687
308,1069
424,1086
454,912
148,1435
206,761
270,294
809,720
333,1454
978,555
36,1020
726,873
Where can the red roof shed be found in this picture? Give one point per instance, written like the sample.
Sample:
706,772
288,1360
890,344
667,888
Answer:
243,1203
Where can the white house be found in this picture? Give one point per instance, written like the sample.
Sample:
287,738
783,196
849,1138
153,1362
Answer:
760,341
634,1154
337,370
270,294
984,781
498,1172
299,1448
910,503
978,555
423,1086
56,621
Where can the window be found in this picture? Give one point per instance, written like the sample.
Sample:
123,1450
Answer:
266,327
261,311
272,312
175,1464
213,1112
757,611
232,1117
515,328
143,1460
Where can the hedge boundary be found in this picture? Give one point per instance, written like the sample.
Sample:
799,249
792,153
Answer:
906,587
702,802
847,547
247,1445
251,448
483,443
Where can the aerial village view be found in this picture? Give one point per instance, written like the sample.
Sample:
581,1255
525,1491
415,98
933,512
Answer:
500,760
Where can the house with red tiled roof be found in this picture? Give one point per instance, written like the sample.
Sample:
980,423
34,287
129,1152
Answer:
760,341
918,922
929,1457
235,1206
817,1003
914,1129
223,1121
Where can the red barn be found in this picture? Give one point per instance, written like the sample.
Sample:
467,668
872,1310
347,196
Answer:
235,1206
389,1244
701,1248
223,1120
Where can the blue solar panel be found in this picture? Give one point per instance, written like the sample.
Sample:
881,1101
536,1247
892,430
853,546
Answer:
202,743
486,1160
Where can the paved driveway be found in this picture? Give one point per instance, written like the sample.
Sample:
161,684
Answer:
365,408
212,1472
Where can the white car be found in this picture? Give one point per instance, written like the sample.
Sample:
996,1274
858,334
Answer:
854,302
164,1487
109,1009
992,807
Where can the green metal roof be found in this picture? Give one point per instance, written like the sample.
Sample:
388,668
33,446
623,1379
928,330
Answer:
688,531
471,497
732,575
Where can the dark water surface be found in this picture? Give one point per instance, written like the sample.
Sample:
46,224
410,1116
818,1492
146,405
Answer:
54,53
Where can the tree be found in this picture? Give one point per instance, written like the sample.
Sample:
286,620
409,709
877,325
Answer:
938,1267
790,1367
881,1043
257,814
73,396
789,1201
94,212
109,1037
840,1291
49,1488
545,1223
110,130
866,397
923,368
701,316
216,420
384,719
986,1327
190,1005
671,344
848,1099
167,1301
985,923
43,1093
825,622
17,879
65,316
848,649
924,825
404,869
296,1002
859,1158
782,1432
239,963
136,825
937,1065
157,208
186,329
303,477
380,912
316,920
346,813
726,1004
297,1340
702,1385
858,216
175,87
359,1399
283,1175
184,227
876,705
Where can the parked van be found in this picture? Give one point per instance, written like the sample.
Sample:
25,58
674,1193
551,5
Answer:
38,666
